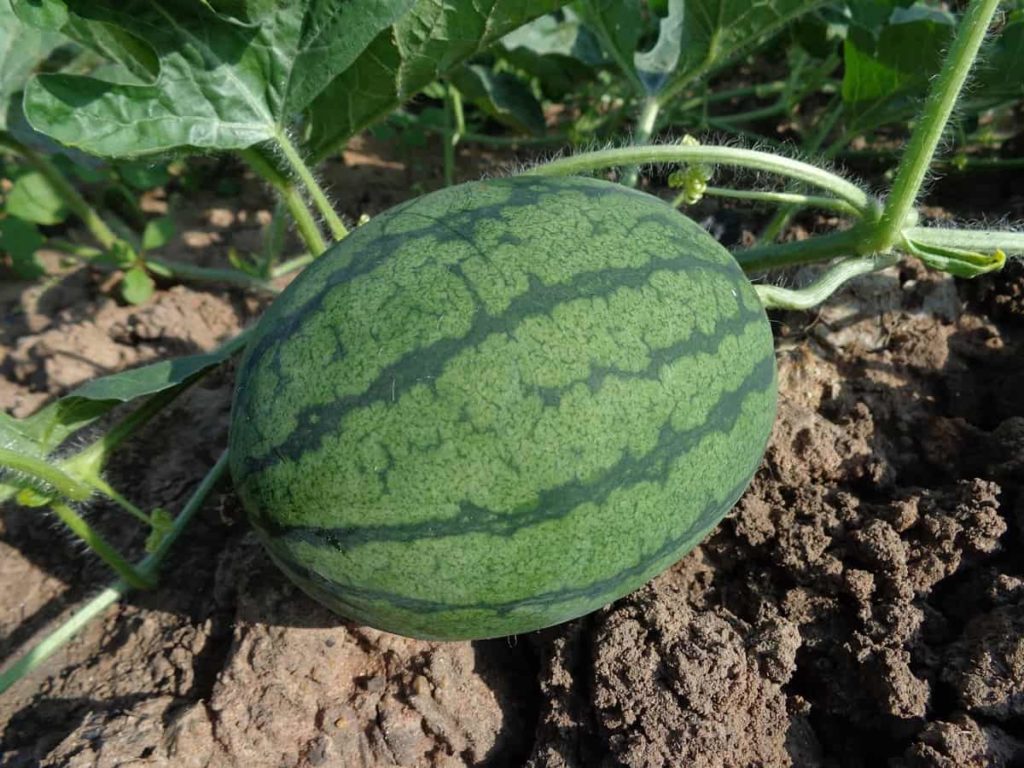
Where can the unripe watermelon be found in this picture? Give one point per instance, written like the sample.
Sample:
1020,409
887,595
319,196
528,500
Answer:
501,405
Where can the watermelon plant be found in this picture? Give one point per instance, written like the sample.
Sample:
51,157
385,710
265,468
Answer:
499,405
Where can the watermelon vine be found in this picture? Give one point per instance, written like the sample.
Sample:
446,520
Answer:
544,369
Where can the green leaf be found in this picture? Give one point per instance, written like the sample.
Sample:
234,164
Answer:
555,48
107,39
618,26
998,73
20,240
137,286
157,233
143,174
502,96
424,45
161,521
656,65
44,431
22,48
32,198
716,32
223,82
886,73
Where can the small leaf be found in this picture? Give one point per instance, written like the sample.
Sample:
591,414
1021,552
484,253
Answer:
161,522
137,286
34,199
20,240
158,233
502,96
956,261
120,254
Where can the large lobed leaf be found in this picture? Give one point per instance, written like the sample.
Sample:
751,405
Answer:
887,69
422,46
22,49
695,38
224,75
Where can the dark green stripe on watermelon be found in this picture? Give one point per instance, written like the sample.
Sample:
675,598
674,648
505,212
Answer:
512,401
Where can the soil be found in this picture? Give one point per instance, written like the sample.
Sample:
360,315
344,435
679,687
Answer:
863,604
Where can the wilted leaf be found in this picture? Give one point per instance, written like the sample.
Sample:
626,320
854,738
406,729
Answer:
223,82
421,47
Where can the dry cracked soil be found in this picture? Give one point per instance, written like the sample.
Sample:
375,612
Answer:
863,604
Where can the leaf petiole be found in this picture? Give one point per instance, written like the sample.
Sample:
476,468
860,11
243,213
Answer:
316,192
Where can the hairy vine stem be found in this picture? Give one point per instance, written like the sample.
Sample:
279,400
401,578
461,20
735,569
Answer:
937,109
730,156
774,297
148,568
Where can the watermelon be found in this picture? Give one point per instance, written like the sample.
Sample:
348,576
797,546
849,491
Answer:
500,406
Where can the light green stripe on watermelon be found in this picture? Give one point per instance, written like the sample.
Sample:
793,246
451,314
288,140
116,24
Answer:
501,391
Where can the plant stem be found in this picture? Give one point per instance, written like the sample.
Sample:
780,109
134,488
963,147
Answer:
928,132
787,198
101,547
42,470
64,189
273,241
644,130
149,566
167,267
729,156
773,297
821,248
112,493
323,205
455,126
1010,243
304,221
811,145
184,271
291,265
